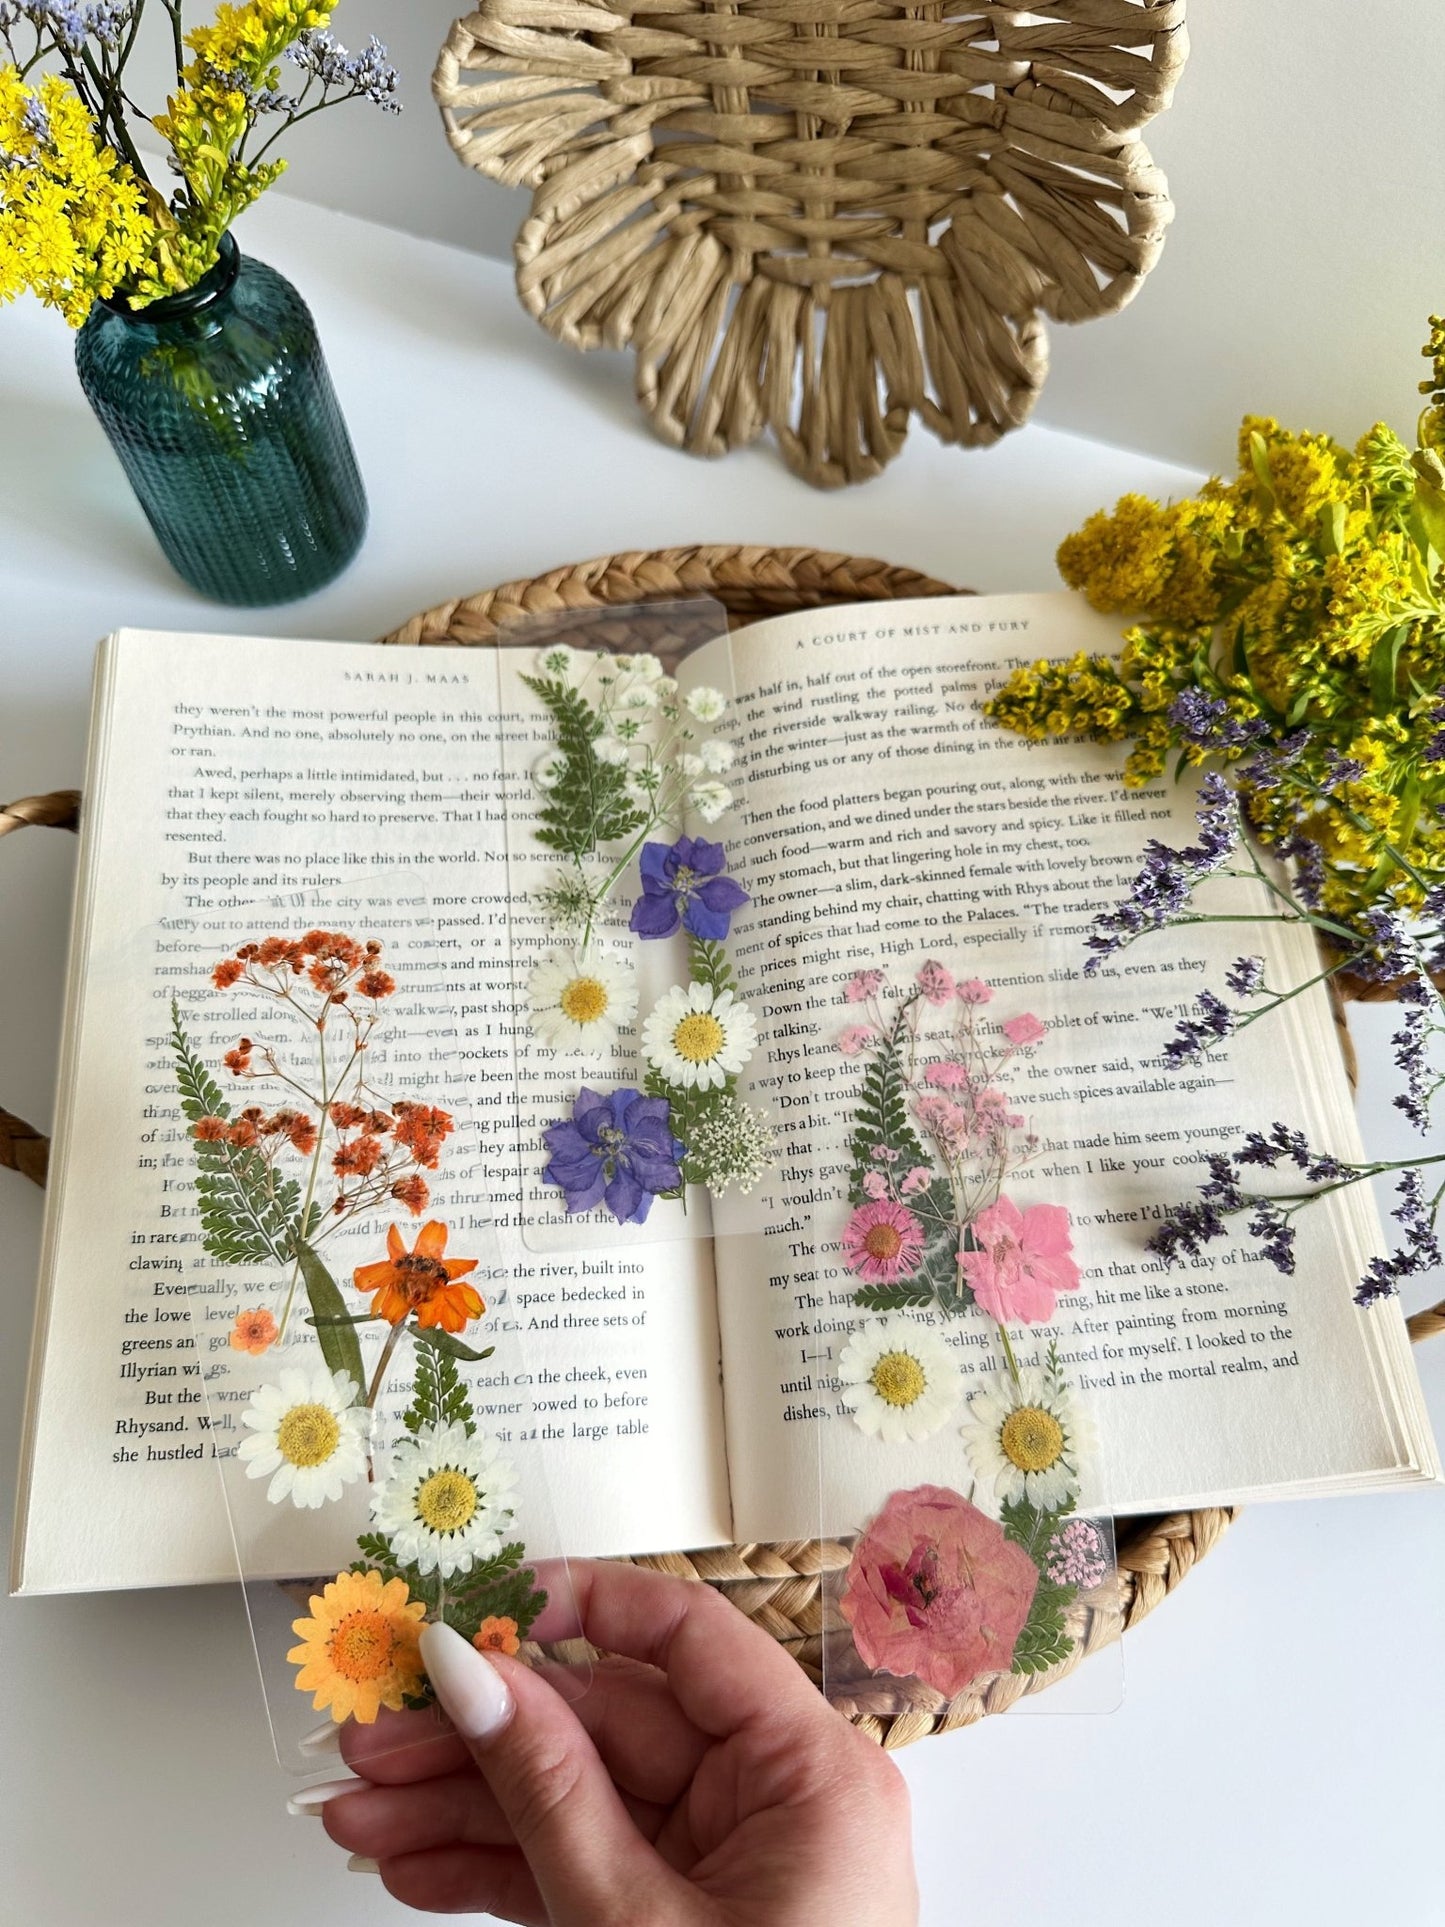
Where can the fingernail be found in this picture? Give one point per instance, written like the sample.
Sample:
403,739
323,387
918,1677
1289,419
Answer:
358,1863
311,1799
473,1692
325,1738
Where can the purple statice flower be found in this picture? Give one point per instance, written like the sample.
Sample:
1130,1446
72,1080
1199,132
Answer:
682,883
1338,770
1284,1145
616,1150
35,120
1185,1230
1198,1035
1388,953
1208,722
1275,1232
1245,976
1268,769
369,75
1161,890
1411,1044
1434,750
1077,1556
1309,867
73,23
1419,1252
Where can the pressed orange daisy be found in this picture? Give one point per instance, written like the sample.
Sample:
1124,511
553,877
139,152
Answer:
420,1282
253,1332
496,1635
359,1649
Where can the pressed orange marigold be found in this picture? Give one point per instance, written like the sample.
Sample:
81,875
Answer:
420,1282
496,1635
359,1649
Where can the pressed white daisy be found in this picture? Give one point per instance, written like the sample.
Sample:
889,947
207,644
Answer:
579,1000
710,800
548,770
308,1436
705,703
446,1500
697,1037
899,1378
1028,1441
716,755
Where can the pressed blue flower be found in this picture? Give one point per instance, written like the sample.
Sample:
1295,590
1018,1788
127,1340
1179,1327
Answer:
683,884
617,1149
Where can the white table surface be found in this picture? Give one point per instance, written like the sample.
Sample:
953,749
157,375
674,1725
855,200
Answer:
1278,1756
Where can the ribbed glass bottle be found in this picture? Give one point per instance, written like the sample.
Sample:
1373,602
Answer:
220,407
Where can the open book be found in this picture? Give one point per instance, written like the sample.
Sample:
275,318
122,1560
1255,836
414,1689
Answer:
880,814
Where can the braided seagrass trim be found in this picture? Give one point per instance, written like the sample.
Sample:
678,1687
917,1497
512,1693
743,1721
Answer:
821,217
782,1588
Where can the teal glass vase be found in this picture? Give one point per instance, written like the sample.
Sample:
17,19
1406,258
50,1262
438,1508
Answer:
220,407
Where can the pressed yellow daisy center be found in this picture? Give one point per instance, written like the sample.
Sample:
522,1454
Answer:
308,1434
446,1501
584,1000
883,1241
898,1379
698,1038
361,1646
1032,1438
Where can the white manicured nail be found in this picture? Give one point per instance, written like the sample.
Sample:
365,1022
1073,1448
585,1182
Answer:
325,1738
358,1863
311,1799
470,1688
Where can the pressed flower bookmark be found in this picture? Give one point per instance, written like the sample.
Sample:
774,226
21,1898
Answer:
349,1397
631,1066
974,1569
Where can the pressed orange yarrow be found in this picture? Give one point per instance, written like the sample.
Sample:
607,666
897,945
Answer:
209,1130
421,1282
357,1158
413,1193
422,1129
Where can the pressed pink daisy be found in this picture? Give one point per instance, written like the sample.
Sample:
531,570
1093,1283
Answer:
882,1242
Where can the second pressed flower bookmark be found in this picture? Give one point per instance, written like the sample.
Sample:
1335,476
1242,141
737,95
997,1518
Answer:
632,1043
365,1383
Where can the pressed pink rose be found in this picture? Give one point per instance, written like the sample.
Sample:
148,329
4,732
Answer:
945,1075
1025,1029
935,982
855,1039
1024,1258
863,985
936,1591
882,1242
875,1184
973,990
918,1179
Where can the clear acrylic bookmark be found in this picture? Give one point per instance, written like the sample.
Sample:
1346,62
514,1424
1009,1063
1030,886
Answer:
932,1269
365,1374
627,904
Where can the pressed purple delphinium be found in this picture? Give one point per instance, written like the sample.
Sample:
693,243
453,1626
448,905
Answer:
683,885
617,1150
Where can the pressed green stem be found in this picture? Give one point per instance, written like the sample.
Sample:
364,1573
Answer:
379,1375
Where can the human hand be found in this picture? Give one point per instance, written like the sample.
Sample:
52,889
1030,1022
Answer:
700,1780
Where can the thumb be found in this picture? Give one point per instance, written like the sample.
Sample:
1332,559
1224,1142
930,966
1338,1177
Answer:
591,1865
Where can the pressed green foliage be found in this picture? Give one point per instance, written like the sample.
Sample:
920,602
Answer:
882,1115
588,805
248,1213
335,1332
438,1396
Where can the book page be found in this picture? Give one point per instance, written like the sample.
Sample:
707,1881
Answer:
883,820
221,771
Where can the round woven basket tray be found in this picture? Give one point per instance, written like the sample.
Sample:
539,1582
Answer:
781,1587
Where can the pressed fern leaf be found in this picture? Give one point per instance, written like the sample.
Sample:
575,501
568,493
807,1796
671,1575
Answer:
438,1394
588,806
882,1114
248,1215
1044,1640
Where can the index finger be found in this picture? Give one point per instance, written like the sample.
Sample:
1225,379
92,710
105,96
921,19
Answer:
725,1672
